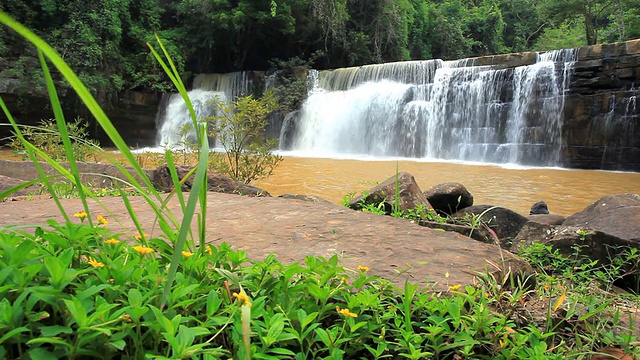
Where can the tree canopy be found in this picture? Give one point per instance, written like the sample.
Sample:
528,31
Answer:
104,41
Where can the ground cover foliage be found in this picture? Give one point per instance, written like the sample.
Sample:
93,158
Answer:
78,290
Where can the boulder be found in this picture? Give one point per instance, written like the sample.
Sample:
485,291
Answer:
504,222
551,219
594,244
617,215
216,182
447,198
7,183
477,233
307,198
410,195
539,208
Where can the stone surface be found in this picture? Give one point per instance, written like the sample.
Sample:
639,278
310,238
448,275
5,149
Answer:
594,244
539,208
617,215
550,219
410,195
477,233
392,248
7,183
92,174
504,222
216,182
447,198
308,198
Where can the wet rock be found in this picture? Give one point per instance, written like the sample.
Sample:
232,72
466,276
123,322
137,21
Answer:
410,195
617,215
539,208
216,182
447,198
504,222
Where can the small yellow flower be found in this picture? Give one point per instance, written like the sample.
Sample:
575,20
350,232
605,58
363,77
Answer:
94,263
111,281
243,298
345,312
209,250
112,241
102,220
187,254
454,287
575,268
344,280
81,215
363,268
142,250
547,287
140,237
127,318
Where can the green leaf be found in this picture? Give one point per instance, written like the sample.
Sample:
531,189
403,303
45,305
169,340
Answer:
41,354
13,332
50,331
77,311
135,298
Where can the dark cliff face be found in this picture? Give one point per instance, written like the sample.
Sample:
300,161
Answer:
602,114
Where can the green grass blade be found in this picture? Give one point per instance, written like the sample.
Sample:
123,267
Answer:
199,185
64,133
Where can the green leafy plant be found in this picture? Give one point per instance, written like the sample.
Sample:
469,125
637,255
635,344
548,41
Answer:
47,138
240,128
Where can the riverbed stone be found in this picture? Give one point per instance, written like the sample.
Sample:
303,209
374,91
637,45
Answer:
539,208
393,248
410,195
593,244
449,197
504,222
617,215
7,183
216,182
551,219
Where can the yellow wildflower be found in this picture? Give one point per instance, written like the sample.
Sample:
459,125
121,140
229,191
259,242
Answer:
80,215
209,250
345,312
94,263
127,318
102,220
187,253
140,237
142,250
112,241
454,287
547,287
344,280
363,268
243,298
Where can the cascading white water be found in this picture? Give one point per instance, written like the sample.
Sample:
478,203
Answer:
173,118
441,110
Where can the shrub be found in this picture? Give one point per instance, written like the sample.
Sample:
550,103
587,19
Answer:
47,138
240,129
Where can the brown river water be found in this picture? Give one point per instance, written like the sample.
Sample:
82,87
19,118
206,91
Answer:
564,191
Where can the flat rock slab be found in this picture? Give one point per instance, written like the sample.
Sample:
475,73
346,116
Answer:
395,249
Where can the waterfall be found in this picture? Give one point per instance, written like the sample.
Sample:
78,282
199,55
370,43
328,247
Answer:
173,119
452,110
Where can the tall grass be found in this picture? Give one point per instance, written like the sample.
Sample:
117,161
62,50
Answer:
166,220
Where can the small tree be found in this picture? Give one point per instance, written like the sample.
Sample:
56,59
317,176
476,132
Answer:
240,129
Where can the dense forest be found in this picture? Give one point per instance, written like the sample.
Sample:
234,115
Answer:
104,40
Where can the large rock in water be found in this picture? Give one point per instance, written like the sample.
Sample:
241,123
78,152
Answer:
504,222
216,182
447,198
617,215
410,195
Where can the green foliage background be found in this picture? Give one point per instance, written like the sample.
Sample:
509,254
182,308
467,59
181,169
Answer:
103,41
